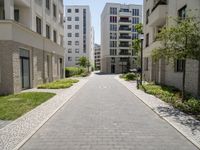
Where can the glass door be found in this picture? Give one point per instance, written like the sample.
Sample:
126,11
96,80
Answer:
25,69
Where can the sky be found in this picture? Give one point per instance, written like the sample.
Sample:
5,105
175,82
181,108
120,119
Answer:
96,7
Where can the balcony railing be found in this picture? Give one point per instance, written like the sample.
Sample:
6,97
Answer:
125,37
124,20
157,3
124,29
124,53
124,45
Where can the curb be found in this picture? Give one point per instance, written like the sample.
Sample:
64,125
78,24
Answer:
196,144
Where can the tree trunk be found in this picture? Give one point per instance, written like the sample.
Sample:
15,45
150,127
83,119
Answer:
183,80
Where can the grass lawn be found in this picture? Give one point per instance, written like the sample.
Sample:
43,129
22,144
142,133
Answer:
172,96
14,106
59,84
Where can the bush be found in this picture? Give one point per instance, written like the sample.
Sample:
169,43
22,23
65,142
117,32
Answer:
173,96
73,71
60,84
129,76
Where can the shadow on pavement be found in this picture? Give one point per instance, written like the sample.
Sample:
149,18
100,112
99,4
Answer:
180,117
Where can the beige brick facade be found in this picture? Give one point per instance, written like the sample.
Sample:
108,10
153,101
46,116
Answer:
10,71
163,72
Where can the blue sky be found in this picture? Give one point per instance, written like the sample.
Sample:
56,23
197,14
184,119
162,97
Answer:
96,7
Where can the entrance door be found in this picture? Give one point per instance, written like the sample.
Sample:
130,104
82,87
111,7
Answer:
25,69
112,68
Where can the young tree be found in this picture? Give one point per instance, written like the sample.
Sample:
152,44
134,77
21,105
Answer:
137,43
179,42
83,61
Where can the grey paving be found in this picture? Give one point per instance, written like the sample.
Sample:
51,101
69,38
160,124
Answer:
4,123
104,115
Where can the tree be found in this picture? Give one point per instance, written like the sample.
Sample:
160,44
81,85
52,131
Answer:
84,62
137,43
179,42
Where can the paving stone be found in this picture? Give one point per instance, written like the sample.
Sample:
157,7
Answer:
107,119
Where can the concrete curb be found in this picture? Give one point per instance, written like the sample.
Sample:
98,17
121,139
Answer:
186,131
14,139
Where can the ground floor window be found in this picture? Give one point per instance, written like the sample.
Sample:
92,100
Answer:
178,65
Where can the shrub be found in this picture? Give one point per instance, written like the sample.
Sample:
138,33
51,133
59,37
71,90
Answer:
129,76
173,96
73,71
59,84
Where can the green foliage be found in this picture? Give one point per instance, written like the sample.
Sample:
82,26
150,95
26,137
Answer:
129,76
59,84
84,62
73,71
14,106
181,41
173,96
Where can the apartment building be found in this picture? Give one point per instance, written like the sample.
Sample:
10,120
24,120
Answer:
97,57
78,34
117,33
31,43
156,15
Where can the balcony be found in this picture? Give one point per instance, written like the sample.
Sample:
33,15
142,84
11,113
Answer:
124,45
22,3
157,3
125,37
124,53
124,21
124,29
158,16
125,13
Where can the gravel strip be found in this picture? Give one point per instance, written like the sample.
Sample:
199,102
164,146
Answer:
16,133
185,124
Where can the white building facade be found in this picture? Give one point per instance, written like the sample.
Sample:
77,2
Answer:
78,34
156,16
117,33
31,43
97,57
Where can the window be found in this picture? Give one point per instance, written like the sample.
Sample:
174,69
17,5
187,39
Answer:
135,36
146,63
113,19
38,25
147,16
54,36
76,18
113,43
16,15
113,36
69,34
112,60
70,50
69,10
76,10
76,42
69,42
48,4
76,50
135,12
113,52
113,27
135,20
182,12
113,11
147,39
69,18
76,34
76,26
54,10
69,58
178,66
69,26
48,32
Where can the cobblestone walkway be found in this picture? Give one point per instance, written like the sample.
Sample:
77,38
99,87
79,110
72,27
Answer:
104,115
